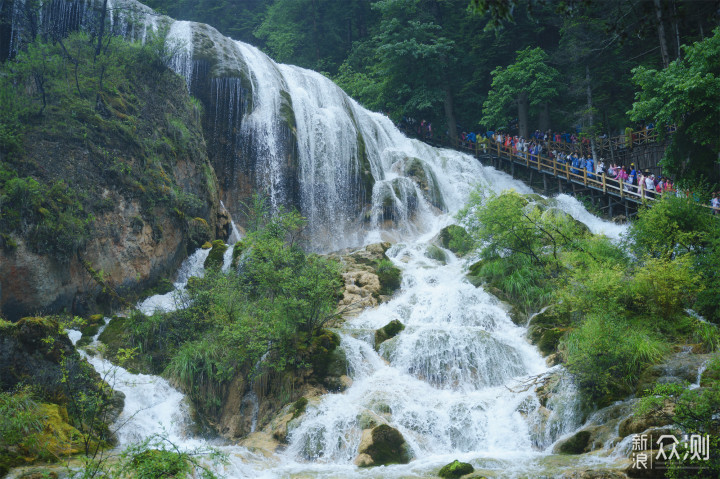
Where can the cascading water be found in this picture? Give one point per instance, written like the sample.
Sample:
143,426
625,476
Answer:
454,381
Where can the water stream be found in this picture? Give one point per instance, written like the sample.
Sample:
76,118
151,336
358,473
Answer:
452,381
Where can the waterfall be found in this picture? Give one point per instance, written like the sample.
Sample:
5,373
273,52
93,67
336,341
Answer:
453,381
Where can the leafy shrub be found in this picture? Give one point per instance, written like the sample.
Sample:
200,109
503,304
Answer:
606,355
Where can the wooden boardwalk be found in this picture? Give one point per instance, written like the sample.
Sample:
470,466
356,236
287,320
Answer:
608,194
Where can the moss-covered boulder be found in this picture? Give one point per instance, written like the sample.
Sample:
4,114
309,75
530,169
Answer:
547,328
455,469
388,331
389,276
426,180
381,446
216,256
438,254
578,443
456,239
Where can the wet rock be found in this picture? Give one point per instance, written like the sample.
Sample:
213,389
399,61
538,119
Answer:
546,328
433,252
578,443
390,330
456,239
638,423
594,474
679,368
382,445
455,469
369,419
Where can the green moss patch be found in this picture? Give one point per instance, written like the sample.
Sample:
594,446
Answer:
455,469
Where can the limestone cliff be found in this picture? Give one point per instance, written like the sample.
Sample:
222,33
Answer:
114,178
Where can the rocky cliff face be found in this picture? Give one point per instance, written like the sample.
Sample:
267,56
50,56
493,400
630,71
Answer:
117,182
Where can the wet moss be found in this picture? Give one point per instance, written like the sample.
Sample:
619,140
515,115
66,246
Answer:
299,407
433,252
455,469
390,330
456,239
216,256
389,276
388,446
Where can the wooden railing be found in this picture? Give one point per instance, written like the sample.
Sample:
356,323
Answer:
604,183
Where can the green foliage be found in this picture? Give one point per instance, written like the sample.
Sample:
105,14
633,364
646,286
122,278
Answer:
676,227
672,226
606,355
265,316
456,239
154,457
21,419
530,81
695,412
74,138
685,95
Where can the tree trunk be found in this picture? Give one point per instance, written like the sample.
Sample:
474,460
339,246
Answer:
661,35
590,116
676,26
522,103
101,28
450,114
545,117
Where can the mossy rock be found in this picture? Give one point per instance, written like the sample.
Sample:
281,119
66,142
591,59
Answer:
433,252
206,245
299,407
456,239
390,330
455,469
384,445
578,443
320,351
547,328
216,256
389,276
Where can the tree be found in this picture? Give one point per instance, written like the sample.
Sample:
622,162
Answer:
529,82
685,95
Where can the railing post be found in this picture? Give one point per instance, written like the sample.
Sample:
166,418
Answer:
642,190
554,166
622,189
585,176
604,184
567,171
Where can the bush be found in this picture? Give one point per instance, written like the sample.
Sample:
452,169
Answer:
606,355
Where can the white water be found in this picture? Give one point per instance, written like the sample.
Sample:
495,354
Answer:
452,382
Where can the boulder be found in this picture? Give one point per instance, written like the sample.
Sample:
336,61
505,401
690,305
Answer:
390,330
433,252
455,469
578,443
381,446
456,239
638,423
